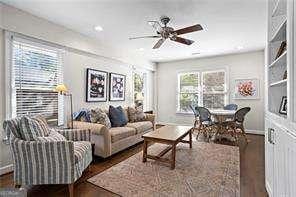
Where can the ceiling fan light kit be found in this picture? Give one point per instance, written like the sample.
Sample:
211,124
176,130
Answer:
165,32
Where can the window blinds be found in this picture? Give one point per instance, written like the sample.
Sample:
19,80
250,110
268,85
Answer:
36,70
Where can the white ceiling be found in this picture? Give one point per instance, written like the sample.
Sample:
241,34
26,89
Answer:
228,24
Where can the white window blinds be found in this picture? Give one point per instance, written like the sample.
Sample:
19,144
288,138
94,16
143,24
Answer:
36,70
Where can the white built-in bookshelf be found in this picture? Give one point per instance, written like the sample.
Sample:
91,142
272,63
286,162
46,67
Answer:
277,71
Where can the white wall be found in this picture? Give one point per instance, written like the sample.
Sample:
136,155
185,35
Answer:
245,65
81,53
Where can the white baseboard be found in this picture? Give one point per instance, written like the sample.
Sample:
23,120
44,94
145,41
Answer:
250,131
257,132
6,169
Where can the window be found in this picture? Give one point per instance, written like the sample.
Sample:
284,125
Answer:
139,89
36,70
188,90
209,90
214,89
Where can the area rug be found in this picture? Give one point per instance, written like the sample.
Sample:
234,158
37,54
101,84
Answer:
206,170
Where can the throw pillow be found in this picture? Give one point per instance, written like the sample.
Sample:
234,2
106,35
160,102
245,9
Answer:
117,116
99,116
33,127
136,114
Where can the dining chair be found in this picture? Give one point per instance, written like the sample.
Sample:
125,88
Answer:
196,117
236,126
230,107
206,123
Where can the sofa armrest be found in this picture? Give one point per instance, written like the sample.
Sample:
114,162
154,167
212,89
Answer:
95,128
100,136
151,118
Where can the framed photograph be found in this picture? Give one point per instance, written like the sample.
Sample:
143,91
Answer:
283,107
96,85
281,49
117,87
246,89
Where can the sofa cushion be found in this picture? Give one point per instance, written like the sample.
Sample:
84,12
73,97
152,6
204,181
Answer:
99,116
119,133
140,126
33,127
117,116
80,149
136,114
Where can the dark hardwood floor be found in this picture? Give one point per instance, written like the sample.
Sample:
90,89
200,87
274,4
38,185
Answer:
251,169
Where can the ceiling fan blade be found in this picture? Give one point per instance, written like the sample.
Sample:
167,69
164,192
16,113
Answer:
190,29
182,40
159,43
133,38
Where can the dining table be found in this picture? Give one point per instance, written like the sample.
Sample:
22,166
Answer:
221,115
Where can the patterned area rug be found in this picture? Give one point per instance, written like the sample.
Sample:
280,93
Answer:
205,170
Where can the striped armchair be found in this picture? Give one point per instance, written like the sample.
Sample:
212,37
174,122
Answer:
51,160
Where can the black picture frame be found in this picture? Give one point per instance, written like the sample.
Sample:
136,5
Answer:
88,91
111,87
283,106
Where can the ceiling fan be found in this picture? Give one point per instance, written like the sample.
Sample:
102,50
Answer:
165,32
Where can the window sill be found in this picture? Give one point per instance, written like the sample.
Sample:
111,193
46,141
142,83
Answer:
184,113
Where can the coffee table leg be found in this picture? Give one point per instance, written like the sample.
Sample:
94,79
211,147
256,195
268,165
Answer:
145,151
190,138
173,159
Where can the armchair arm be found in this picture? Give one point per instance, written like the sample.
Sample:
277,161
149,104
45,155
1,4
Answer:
75,134
38,162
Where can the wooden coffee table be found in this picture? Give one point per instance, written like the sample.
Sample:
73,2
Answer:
170,135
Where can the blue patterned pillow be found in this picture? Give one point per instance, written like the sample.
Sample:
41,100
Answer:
117,116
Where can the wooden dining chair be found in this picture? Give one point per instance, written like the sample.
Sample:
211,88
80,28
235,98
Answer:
207,125
196,123
236,126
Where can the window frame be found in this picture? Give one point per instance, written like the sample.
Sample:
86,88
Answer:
145,88
179,89
200,86
9,78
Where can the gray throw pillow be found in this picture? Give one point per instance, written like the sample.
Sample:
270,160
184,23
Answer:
136,114
99,116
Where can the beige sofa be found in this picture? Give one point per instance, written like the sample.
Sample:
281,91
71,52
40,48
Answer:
110,141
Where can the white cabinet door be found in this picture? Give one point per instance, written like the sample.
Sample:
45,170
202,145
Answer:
290,144
280,183
269,159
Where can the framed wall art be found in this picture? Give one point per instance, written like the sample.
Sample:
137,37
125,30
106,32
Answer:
96,85
246,89
283,107
117,87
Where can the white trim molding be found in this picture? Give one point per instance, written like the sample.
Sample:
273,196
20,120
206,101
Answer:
6,169
249,131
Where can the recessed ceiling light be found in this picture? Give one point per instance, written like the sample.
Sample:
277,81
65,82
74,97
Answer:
141,49
98,28
239,47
